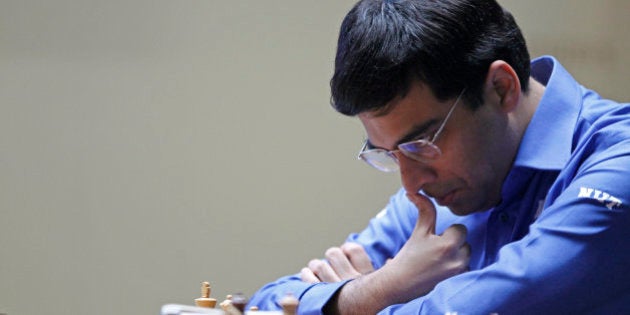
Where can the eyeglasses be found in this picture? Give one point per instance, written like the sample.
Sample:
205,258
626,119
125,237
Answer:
422,150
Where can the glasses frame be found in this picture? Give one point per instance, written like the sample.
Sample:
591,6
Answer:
389,161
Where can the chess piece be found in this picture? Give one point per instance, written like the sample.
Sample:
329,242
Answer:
239,301
227,302
289,304
205,300
228,306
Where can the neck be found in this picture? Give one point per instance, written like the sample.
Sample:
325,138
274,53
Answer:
529,104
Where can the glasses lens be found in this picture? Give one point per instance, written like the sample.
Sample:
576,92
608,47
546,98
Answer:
420,150
379,159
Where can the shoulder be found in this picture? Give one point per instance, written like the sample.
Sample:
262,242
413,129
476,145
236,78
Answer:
602,130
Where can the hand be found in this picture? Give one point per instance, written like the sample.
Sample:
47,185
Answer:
427,258
424,260
342,263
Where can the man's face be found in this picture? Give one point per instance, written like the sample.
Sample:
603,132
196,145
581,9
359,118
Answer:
477,148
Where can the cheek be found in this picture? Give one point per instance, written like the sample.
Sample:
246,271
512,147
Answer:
478,190
471,169
474,163
479,159
467,156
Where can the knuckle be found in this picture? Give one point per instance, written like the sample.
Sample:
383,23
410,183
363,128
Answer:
304,272
449,248
458,229
463,265
352,249
315,265
466,249
307,275
461,228
448,245
333,252
458,266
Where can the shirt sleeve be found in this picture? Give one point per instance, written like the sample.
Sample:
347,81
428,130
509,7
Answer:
312,297
574,260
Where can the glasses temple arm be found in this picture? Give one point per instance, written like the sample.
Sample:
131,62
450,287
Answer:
437,133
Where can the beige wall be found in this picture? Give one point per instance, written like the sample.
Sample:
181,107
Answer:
146,146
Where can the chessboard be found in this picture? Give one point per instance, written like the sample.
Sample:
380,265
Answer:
232,305
179,309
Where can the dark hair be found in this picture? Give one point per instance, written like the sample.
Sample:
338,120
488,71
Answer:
385,45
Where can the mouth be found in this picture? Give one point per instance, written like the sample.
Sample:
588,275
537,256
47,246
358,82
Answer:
447,199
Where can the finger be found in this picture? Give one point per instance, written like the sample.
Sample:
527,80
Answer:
358,257
426,212
456,233
341,264
323,271
463,254
465,251
307,275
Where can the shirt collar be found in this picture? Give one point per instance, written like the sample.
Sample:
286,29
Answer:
547,142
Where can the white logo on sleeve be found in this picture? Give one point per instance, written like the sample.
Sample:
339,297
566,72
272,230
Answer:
382,213
603,197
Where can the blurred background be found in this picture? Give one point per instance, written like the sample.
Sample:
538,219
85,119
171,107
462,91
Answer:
146,146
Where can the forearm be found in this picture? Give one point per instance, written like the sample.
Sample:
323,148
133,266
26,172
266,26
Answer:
357,297
373,292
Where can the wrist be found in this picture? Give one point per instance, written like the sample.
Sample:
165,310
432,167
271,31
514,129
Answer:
365,295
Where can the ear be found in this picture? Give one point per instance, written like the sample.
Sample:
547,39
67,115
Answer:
503,86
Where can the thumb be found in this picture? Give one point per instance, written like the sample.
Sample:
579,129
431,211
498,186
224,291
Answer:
426,213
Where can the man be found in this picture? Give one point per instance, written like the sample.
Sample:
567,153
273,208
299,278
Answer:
533,167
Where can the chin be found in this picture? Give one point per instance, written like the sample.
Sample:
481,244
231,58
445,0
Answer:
466,209
460,211
469,203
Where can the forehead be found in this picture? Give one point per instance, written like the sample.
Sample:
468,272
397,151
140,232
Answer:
415,112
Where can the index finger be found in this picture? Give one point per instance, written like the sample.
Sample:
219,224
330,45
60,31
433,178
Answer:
358,257
426,212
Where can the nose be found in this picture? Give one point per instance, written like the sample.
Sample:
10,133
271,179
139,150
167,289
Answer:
414,174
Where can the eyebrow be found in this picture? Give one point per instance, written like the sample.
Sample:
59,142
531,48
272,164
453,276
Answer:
411,135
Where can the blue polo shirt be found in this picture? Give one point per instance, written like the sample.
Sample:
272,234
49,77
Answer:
559,241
